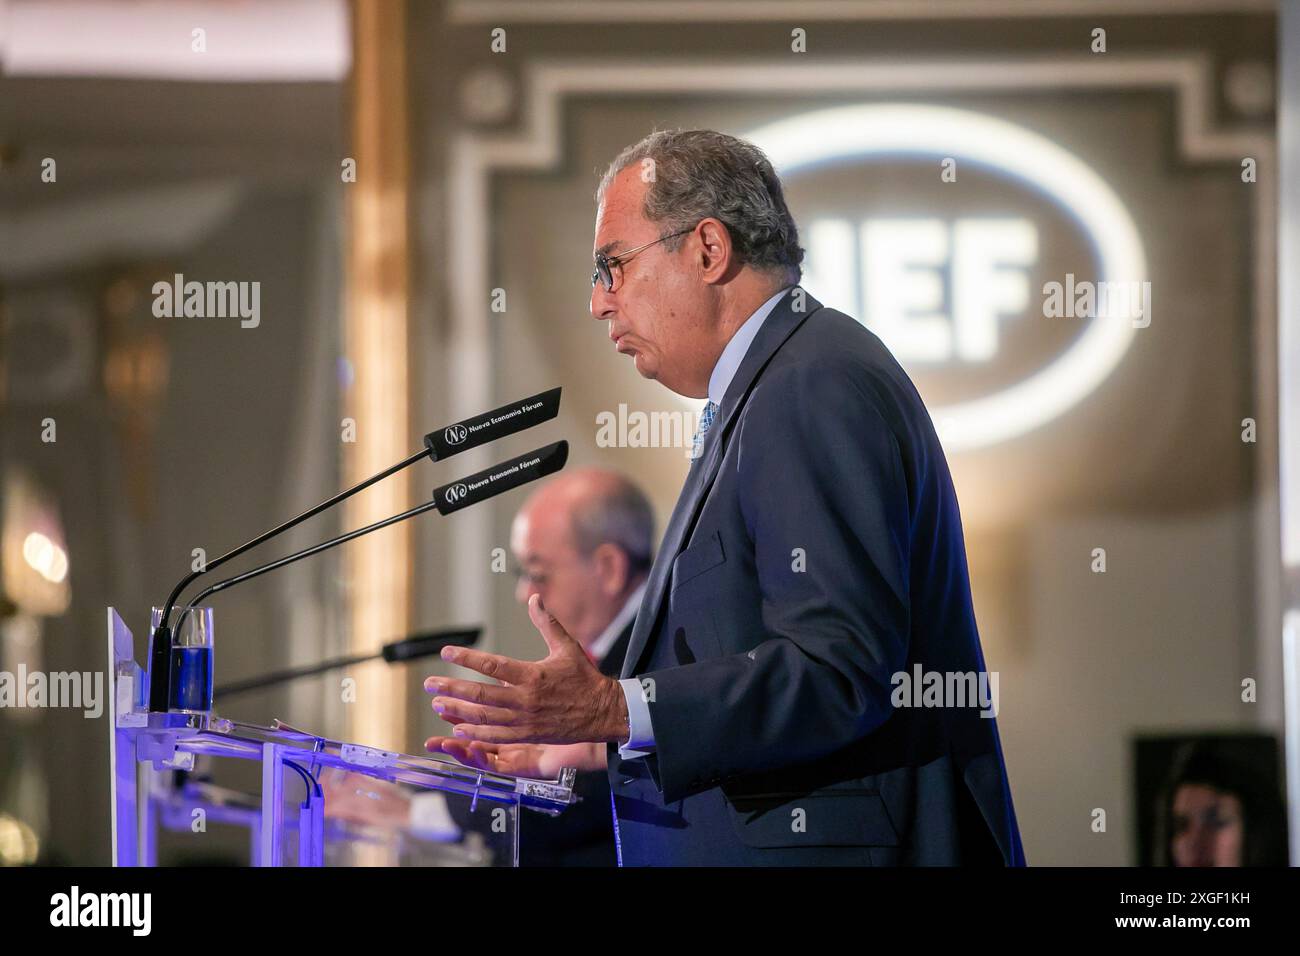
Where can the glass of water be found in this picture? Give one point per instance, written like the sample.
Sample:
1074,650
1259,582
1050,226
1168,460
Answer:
191,659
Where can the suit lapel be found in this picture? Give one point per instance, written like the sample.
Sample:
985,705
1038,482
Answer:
778,327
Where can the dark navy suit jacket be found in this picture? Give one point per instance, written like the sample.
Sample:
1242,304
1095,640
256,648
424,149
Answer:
815,551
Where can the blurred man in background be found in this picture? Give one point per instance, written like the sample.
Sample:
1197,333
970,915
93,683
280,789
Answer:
584,542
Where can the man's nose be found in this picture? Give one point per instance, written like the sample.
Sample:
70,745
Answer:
524,590
602,302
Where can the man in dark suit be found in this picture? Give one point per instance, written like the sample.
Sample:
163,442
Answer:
813,564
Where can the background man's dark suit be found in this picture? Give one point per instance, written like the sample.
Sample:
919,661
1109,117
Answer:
583,835
776,739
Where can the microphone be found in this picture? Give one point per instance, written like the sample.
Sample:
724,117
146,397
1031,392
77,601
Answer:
488,427
447,499
439,445
493,481
421,644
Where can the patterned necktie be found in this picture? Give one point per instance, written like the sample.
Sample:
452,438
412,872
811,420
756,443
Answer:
706,420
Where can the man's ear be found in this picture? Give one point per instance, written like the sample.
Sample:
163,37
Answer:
717,257
612,568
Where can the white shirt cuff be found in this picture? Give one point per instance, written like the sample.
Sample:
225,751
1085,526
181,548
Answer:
641,743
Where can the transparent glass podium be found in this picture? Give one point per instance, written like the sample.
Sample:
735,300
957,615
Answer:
159,787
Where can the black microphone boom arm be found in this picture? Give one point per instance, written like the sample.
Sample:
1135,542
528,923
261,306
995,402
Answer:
446,499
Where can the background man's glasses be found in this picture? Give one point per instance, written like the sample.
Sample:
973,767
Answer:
606,265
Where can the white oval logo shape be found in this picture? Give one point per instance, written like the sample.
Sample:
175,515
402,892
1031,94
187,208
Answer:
455,434
456,492
936,132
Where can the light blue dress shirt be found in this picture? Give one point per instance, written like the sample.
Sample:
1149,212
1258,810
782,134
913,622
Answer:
641,742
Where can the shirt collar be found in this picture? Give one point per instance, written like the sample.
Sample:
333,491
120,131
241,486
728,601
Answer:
601,645
731,357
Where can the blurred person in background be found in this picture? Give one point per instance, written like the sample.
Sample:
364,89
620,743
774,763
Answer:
1217,810
583,541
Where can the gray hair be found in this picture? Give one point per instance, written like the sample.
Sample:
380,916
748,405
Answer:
698,174
618,514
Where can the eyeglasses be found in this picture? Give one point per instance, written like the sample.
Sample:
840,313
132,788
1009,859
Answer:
605,265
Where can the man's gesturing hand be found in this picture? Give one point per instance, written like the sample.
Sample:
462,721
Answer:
539,761
562,699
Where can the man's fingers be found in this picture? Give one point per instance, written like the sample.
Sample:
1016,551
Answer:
490,665
460,712
473,691
511,761
471,754
553,633
492,733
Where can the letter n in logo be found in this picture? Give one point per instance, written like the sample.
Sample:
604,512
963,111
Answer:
455,434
